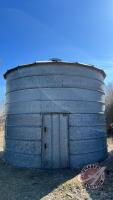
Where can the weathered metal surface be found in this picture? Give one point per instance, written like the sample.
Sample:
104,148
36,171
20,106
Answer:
86,146
84,133
51,89
23,147
61,63
55,106
45,94
23,133
55,141
23,160
79,160
54,81
56,69
88,120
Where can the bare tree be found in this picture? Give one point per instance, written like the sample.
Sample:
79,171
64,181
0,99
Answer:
2,114
109,107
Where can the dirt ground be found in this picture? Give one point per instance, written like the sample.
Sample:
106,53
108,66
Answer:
24,184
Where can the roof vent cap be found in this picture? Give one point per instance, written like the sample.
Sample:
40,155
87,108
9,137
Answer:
55,59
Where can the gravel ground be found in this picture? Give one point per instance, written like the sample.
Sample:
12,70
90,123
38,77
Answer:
24,184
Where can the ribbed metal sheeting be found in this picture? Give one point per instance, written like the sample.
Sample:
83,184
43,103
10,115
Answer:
53,88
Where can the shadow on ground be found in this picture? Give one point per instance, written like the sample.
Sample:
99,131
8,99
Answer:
25,184
20,184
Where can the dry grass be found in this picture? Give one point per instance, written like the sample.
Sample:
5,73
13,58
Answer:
24,184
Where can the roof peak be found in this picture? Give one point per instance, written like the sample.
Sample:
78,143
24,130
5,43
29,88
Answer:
55,59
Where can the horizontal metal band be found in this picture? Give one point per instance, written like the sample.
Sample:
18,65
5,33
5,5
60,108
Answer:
85,139
96,125
22,126
42,113
22,139
39,140
55,107
7,93
55,100
99,113
32,126
57,69
57,94
37,75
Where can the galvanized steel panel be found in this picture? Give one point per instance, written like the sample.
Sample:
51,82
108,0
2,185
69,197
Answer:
80,160
53,89
24,120
54,81
87,119
87,146
56,69
23,160
23,147
23,133
45,94
84,133
55,106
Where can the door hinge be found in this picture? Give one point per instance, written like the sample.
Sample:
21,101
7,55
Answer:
45,146
45,129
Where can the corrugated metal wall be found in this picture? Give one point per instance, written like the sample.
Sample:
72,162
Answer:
55,88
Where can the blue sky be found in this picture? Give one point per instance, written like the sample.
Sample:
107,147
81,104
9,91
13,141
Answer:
73,30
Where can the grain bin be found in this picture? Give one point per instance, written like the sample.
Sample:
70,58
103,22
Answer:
55,115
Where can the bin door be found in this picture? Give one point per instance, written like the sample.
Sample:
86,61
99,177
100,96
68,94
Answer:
55,141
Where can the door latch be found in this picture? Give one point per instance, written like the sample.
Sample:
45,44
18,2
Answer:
45,129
